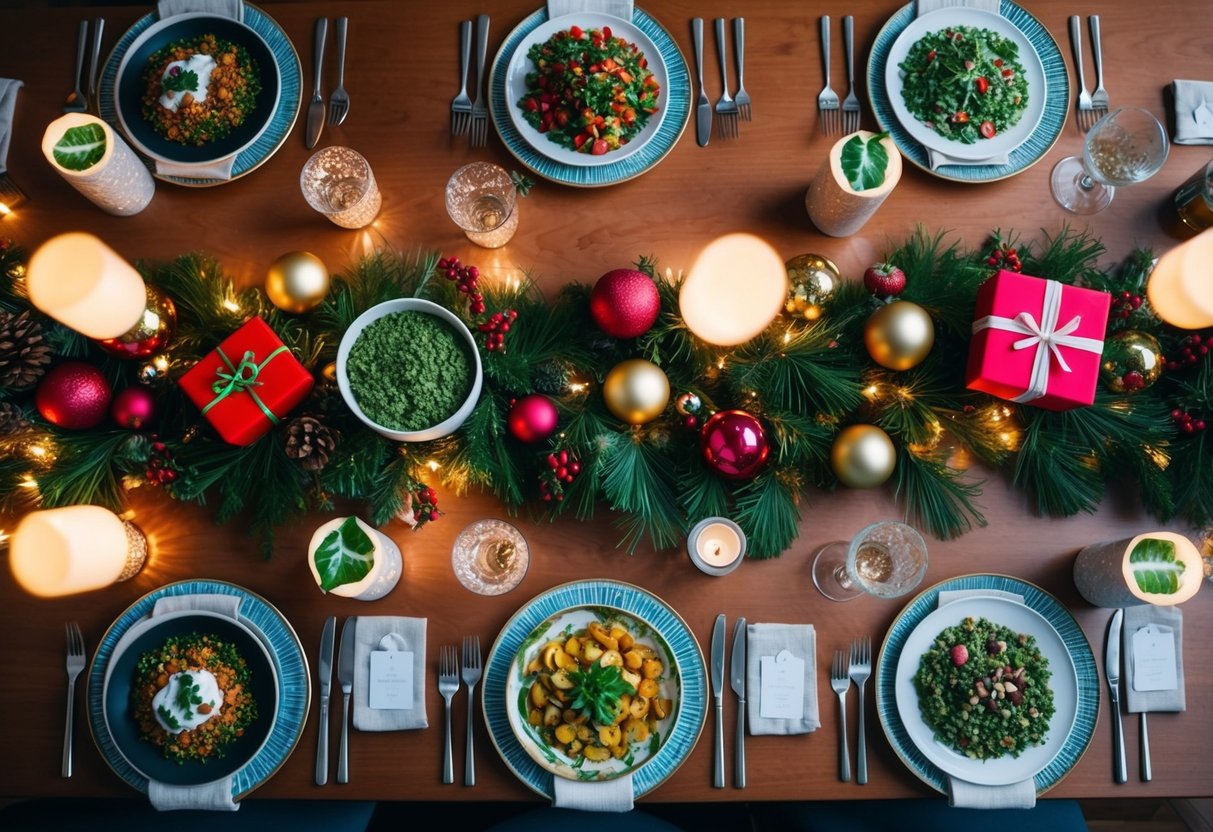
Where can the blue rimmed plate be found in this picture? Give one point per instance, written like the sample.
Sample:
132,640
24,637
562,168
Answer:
281,120
676,97
1029,152
691,710
280,641
920,755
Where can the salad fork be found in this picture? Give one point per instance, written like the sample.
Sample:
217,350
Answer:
77,101
1099,98
860,670
75,664
840,681
339,101
480,113
1085,112
726,107
448,686
850,104
461,105
471,675
827,99
743,97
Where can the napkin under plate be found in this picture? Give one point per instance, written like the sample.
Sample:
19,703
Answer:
768,640
368,634
617,8
1166,618
617,795
220,8
1193,111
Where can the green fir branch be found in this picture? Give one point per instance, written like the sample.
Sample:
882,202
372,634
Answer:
88,468
638,482
936,497
802,370
767,513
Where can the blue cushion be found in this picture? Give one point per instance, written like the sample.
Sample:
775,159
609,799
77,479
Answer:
131,815
912,815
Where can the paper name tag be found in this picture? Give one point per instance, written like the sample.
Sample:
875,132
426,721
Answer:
781,693
1154,659
391,680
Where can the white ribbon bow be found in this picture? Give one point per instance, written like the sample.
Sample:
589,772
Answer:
1047,335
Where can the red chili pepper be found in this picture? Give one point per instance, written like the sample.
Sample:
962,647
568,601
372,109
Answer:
987,129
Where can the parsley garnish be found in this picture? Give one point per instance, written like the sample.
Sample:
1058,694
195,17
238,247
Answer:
169,719
597,691
180,82
187,694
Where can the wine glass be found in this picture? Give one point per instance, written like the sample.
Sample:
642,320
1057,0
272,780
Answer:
885,559
1125,146
490,557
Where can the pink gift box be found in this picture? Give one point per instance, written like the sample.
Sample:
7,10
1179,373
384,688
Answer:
1009,359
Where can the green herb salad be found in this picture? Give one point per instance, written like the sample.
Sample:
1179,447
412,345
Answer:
590,91
965,83
983,689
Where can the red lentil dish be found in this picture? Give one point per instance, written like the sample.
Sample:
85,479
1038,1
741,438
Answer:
199,89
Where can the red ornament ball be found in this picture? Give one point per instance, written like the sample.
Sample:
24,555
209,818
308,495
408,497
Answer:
134,408
532,418
734,444
73,395
625,303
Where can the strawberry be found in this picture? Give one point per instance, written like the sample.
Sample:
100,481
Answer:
960,655
884,279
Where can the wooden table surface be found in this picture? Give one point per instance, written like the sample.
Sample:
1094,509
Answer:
401,76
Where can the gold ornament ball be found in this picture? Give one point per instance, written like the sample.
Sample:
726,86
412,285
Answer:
636,391
863,456
899,335
1132,361
297,282
812,282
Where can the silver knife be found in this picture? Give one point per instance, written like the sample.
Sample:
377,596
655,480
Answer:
718,694
98,37
1112,670
345,677
737,678
315,110
703,109
324,673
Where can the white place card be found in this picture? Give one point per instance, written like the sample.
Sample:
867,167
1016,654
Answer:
391,680
781,693
1154,659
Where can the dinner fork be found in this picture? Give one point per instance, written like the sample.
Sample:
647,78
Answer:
461,105
1085,113
743,97
840,682
726,107
339,101
480,113
471,675
77,101
75,663
1099,98
827,99
850,104
860,670
448,686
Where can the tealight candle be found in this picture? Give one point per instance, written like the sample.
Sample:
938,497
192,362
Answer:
1181,286
85,285
716,545
61,551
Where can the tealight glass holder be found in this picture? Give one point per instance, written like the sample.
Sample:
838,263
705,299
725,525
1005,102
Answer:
490,557
338,182
716,545
481,199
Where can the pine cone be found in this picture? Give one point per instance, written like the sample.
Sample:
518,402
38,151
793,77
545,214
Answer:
309,441
24,352
12,420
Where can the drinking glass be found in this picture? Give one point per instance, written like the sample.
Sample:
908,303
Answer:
1123,147
482,200
490,557
885,559
1194,199
338,182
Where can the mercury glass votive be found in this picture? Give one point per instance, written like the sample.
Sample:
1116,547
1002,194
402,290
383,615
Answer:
339,183
482,200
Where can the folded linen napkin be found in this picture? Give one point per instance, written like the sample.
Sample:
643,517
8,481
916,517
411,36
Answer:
8,102
594,796
769,640
618,8
1193,111
406,634
222,8
1170,621
221,169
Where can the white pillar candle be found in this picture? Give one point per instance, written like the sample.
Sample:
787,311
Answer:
735,288
1181,285
117,183
1106,574
61,551
834,206
716,545
84,284
387,564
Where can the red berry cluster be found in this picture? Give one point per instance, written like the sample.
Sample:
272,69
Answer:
1125,304
563,468
1186,422
1004,257
495,329
425,504
160,469
1191,349
465,278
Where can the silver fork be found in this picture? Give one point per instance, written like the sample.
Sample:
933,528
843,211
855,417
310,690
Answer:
726,107
339,101
743,97
75,663
1099,98
860,670
1085,113
840,682
77,101
480,113
448,686
850,104
827,99
461,105
471,675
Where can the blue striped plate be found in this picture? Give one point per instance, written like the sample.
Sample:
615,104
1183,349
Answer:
692,710
677,103
291,96
294,681
1034,148
1047,607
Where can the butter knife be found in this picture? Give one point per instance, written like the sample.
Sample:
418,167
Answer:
737,678
703,108
315,110
98,37
324,673
1112,670
345,676
718,695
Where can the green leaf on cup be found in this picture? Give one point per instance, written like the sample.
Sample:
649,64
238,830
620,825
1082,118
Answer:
864,163
345,556
80,148
1155,567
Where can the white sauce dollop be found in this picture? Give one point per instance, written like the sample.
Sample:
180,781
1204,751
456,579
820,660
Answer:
203,65
166,699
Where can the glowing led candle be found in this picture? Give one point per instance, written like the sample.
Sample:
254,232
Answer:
735,288
716,545
1181,286
85,285
61,551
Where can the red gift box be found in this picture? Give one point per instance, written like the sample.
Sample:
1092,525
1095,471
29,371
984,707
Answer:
1037,342
248,383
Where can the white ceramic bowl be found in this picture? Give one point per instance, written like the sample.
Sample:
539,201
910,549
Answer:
446,426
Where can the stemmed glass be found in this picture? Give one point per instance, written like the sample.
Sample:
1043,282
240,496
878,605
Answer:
1125,146
885,559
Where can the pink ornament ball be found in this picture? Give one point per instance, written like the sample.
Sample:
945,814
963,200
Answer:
734,444
74,395
625,303
134,408
532,418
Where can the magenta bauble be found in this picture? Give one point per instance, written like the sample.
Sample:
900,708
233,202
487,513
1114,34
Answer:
73,395
134,408
625,303
532,418
734,444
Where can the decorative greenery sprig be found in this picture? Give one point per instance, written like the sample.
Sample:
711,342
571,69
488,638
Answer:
596,692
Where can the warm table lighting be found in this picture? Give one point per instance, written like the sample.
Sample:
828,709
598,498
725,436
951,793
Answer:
716,545
735,288
84,284
61,551
1181,286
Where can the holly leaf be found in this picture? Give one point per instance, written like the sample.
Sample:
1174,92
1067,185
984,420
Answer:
1155,567
80,148
864,163
345,556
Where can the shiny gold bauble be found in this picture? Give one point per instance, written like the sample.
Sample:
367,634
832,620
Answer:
899,335
297,282
1132,361
812,282
636,391
151,333
863,456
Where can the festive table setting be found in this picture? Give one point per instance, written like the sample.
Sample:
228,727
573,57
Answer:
573,402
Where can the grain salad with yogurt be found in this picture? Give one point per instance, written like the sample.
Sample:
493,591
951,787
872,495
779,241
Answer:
199,89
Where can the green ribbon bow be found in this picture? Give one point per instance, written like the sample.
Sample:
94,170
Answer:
242,379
